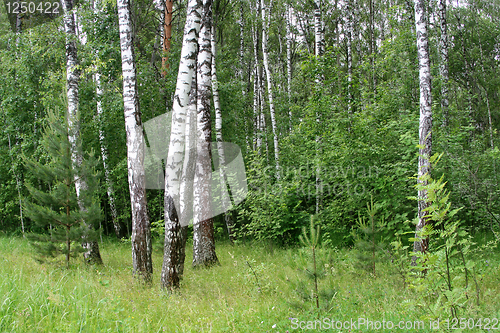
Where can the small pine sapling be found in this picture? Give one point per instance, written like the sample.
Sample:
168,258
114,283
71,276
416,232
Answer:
367,238
315,271
311,241
56,210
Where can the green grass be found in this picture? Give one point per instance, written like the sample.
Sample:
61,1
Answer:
50,298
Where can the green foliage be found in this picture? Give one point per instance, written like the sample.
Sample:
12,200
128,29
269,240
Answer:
271,210
65,218
444,278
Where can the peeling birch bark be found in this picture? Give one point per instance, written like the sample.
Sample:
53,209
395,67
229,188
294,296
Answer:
141,227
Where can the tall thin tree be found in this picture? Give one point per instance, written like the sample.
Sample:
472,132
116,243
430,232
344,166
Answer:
119,230
92,253
425,123
167,34
228,216
203,226
141,227
443,66
289,61
265,52
176,151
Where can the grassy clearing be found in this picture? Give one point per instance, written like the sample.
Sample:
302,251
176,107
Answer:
227,298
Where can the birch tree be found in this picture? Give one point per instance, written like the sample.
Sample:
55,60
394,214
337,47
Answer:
260,120
265,53
349,14
92,254
104,157
425,123
318,29
288,15
141,228
176,151
228,217
188,170
443,68
203,227
318,52
102,142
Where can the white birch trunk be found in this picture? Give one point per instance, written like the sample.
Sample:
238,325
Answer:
349,11
92,254
265,53
425,123
176,151
19,26
141,228
228,217
257,91
373,46
443,68
319,42
203,227
318,29
289,63
104,151
104,157
188,170
256,120
242,50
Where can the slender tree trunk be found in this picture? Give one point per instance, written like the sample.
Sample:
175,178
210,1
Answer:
483,74
265,52
425,127
259,134
188,171
256,119
443,68
167,35
319,44
119,230
467,76
19,26
318,29
92,254
203,226
18,185
242,50
373,47
141,227
176,151
228,216
289,63
304,29
349,55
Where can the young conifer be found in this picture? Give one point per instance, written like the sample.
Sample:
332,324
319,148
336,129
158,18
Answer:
367,239
56,210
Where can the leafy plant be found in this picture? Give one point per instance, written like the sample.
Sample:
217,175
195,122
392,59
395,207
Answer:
444,275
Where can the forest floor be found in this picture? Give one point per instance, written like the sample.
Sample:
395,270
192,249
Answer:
255,289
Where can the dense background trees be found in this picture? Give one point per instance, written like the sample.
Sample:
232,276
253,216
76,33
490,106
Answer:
277,97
